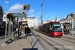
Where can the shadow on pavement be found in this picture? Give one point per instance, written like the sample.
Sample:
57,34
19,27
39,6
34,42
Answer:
18,38
30,49
2,37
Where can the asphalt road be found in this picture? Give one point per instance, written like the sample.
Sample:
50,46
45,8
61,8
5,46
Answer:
54,43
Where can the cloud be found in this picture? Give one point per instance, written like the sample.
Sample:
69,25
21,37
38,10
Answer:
39,13
37,16
6,2
31,11
31,15
16,7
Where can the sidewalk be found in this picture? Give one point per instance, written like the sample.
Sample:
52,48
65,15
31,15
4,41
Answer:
70,36
22,44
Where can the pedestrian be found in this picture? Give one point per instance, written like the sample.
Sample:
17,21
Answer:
65,30
27,30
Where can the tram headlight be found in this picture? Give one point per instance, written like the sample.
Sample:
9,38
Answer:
55,33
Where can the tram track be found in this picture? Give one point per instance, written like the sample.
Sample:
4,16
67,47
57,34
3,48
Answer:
43,41
45,44
53,42
68,40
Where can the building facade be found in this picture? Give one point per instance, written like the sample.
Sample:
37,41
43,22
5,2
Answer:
32,21
69,19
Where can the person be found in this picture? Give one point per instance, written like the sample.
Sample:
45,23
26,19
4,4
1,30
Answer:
65,30
23,32
27,30
16,30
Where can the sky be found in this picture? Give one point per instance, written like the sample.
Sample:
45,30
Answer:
51,8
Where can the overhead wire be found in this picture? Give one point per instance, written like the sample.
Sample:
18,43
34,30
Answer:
52,7
38,9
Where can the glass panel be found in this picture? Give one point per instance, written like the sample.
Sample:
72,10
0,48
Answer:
55,27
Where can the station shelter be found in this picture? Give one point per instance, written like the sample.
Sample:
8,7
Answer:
9,24
68,27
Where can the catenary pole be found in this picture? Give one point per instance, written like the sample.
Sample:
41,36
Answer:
41,11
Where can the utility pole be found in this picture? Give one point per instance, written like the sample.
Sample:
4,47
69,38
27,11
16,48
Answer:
41,11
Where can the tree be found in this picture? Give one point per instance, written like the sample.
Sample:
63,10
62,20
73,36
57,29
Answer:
55,18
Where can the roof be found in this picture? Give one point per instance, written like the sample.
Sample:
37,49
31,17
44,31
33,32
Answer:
19,14
30,17
51,22
63,19
71,14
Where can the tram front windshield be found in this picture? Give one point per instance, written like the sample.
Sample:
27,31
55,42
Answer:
55,27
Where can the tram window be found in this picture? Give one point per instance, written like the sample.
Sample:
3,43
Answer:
55,27
43,28
46,27
51,27
40,28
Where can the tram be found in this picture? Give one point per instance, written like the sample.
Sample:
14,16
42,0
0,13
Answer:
51,29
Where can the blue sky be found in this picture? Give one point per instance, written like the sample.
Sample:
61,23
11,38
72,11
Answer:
50,8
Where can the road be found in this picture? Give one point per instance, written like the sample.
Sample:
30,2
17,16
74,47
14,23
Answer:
54,43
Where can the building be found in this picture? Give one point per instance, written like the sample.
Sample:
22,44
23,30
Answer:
32,21
46,21
70,19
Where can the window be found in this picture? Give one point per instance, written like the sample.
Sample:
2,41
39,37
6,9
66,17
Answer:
45,28
69,20
51,27
55,27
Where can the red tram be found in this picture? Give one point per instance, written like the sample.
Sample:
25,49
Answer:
51,29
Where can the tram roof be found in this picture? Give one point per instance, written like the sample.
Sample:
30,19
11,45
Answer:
50,22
